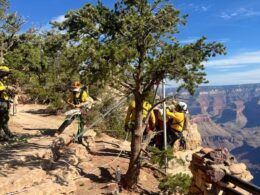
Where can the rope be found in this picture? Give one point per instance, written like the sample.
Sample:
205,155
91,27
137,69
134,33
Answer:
102,117
106,164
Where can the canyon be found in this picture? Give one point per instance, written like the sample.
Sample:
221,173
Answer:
228,117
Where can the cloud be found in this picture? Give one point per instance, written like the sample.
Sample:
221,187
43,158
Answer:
241,12
47,26
189,40
59,19
233,78
242,59
204,8
224,78
195,7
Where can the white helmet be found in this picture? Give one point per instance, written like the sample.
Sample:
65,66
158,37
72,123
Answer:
183,106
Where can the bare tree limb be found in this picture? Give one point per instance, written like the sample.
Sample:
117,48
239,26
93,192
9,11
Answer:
153,167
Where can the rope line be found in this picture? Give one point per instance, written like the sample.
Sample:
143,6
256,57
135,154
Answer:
102,117
106,164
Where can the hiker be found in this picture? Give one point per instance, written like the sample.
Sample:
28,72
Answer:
176,123
130,117
158,113
5,100
80,100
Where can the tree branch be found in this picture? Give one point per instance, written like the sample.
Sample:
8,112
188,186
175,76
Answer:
153,167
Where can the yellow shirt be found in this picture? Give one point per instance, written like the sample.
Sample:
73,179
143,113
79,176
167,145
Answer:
72,97
131,112
178,119
3,94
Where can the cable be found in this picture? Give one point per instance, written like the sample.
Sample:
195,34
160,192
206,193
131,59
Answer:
106,164
102,117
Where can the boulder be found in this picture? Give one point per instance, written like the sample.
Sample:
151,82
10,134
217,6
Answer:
206,150
215,174
218,156
246,176
237,169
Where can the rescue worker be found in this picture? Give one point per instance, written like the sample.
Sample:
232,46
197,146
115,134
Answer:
78,98
158,112
130,117
5,100
176,123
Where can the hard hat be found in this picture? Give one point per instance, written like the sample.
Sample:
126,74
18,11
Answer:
183,106
75,86
4,69
2,87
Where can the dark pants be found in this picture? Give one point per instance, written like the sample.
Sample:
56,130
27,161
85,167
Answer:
4,118
67,122
173,136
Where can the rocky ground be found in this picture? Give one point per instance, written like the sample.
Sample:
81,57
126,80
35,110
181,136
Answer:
26,166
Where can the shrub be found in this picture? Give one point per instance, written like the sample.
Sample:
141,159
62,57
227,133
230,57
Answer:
176,183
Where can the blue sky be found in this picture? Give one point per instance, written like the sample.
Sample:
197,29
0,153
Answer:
235,23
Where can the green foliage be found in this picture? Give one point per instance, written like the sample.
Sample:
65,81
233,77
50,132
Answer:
178,183
158,156
133,46
3,6
115,125
112,124
41,67
134,43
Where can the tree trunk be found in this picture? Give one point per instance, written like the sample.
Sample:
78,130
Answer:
133,172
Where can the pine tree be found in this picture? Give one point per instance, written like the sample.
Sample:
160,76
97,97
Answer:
132,47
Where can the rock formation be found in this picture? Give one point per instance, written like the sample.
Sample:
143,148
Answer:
209,166
228,116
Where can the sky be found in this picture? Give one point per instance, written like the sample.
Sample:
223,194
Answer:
235,23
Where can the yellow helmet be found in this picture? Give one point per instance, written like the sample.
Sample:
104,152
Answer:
4,69
2,87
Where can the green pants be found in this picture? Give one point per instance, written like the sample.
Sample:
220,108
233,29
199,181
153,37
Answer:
67,122
4,118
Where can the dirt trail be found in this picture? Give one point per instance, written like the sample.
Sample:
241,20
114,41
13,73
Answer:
25,167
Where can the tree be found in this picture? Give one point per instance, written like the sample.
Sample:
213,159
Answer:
3,6
133,47
9,27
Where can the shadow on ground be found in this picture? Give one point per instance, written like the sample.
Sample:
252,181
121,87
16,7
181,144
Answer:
43,131
42,112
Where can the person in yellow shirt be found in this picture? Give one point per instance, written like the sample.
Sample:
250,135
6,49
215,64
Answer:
176,122
4,104
78,98
130,117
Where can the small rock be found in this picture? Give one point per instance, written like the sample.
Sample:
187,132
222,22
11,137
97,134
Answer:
6,166
206,150
113,188
90,134
208,186
188,157
143,176
237,169
246,176
23,158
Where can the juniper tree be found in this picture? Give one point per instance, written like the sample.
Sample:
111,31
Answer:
133,46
